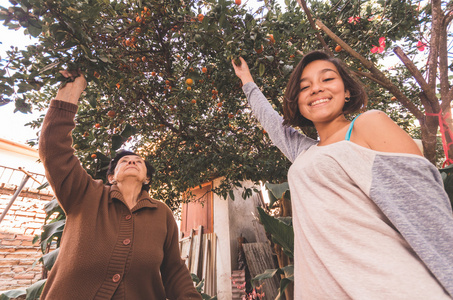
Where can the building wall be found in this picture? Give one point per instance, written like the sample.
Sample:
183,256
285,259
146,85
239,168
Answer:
25,217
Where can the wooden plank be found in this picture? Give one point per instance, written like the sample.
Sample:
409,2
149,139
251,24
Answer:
259,258
197,251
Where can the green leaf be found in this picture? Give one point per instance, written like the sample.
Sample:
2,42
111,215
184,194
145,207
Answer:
34,291
269,273
48,260
277,191
117,141
128,131
281,233
51,231
262,69
231,194
12,294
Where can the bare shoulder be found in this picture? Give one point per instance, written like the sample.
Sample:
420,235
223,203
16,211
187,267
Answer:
381,133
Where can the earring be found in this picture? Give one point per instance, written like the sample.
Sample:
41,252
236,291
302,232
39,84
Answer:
113,181
347,99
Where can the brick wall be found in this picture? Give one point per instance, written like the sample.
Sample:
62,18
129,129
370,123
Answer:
17,230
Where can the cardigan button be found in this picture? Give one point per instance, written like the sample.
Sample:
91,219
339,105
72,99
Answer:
126,242
128,217
116,277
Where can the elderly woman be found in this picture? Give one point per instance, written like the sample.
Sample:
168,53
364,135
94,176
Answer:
118,243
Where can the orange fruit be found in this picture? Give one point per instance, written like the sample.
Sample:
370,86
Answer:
118,85
167,82
259,50
138,19
138,30
144,59
200,17
93,155
271,39
111,113
237,2
97,125
153,73
204,69
219,104
393,98
338,48
189,81
194,101
189,88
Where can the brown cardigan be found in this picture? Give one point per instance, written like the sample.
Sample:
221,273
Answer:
107,250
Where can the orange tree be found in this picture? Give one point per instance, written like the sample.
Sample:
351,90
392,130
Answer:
160,76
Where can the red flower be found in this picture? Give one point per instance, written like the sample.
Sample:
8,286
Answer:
421,46
353,19
381,47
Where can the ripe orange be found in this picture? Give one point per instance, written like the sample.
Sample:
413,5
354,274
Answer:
93,155
237,2
338,48
259,50
214,92
200,17
204,69
393,98
138,30
188,57
271,39
144,59
97,125
167,82
189,81
138,19
118,85
153,73
111,113
219,104
194,101
189,88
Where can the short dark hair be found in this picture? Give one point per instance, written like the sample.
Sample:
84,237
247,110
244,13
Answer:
114,162
291,113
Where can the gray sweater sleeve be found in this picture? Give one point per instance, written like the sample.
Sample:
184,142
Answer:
287,139
410,193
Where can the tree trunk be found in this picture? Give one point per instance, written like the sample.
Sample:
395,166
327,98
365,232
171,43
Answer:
429,137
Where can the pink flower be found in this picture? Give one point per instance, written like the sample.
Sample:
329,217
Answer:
353,19
421,46
381,47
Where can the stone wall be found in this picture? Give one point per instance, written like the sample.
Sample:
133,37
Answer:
17,230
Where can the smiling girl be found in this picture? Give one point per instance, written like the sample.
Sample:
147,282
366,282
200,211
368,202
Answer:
370,215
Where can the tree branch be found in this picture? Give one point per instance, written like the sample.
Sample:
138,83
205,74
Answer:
304,6
434,42
428,92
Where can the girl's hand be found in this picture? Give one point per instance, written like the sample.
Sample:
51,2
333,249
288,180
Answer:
242,71
71,91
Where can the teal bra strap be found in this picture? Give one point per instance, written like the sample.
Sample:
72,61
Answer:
348,134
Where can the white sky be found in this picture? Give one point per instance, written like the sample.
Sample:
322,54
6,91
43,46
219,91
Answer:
12,124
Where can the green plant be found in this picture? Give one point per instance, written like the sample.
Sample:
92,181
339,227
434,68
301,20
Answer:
281,234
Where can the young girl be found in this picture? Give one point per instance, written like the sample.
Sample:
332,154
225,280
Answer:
371,218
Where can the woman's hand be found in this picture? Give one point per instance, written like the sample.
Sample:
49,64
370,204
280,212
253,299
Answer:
242,71
72,90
